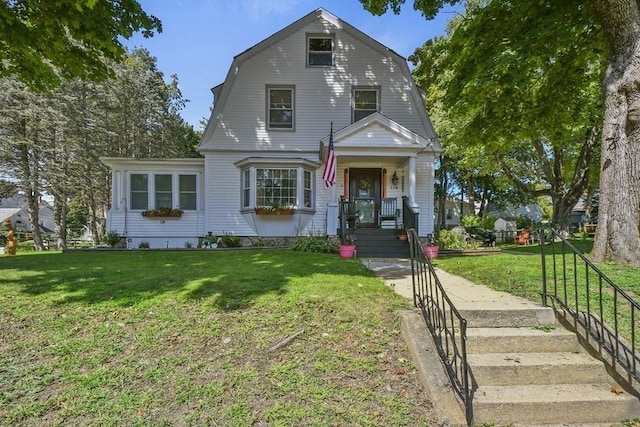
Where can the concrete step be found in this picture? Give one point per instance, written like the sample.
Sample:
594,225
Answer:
500,315
536,368
521,340
553,404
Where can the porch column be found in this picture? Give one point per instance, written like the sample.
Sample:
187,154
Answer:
412,181
332,207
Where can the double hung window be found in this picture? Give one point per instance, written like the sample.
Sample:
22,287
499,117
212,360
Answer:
280,107
319,51
365,102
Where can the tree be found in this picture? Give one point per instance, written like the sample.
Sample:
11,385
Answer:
618,235
45,42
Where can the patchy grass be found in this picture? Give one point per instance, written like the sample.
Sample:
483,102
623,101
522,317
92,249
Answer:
189,337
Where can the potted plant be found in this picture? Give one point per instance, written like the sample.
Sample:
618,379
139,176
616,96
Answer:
402,234
430,249
348,248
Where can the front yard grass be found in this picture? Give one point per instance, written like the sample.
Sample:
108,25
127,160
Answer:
198,338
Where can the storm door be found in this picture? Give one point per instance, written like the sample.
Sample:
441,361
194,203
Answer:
364,190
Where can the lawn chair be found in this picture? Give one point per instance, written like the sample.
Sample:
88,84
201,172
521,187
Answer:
389,211
522,238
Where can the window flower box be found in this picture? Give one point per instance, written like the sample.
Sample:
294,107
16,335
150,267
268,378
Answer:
274,211
162,213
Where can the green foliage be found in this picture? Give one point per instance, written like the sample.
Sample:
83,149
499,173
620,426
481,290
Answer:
46,42
322,244
77,217
527,118
230,240
470,221
488,222
143,245
112,238
26,246
449,239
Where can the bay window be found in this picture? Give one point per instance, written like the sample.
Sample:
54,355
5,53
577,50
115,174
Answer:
280,183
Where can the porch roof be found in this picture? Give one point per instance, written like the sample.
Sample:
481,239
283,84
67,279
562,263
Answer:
378,136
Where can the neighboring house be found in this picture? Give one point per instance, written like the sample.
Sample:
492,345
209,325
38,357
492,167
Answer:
531,211
15,210
268,138
454,211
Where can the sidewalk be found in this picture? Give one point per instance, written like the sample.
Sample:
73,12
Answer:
396,272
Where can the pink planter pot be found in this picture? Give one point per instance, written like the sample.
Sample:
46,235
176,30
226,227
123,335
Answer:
430,251
347,251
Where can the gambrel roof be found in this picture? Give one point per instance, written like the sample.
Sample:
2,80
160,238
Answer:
221,91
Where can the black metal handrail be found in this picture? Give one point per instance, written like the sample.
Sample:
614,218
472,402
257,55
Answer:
444,321
594,303
409,216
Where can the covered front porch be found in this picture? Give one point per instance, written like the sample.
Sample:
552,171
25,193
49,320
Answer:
382,168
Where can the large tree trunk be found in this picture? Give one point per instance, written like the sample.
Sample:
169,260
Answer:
618,235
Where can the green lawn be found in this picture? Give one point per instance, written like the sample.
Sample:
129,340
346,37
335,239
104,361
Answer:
189,337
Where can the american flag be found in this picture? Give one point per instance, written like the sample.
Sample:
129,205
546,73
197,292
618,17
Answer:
329,174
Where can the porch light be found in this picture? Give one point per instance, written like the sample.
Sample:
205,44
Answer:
394,179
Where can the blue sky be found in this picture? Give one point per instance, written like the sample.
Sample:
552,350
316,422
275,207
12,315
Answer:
201,37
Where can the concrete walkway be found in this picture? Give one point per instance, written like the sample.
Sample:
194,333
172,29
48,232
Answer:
396,272
466,296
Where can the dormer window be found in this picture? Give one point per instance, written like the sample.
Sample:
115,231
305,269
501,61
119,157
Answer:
365,101
319,51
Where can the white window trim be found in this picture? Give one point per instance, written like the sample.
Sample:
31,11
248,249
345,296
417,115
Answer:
292,88
175,188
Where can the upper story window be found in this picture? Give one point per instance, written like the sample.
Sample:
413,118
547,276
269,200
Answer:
319,51
280,107
365,101
164,189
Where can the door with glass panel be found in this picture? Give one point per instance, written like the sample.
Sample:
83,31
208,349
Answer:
364,190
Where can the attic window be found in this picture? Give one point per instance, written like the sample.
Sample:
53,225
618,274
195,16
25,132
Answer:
319,51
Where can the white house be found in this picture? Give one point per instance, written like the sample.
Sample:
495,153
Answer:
267,141
15,210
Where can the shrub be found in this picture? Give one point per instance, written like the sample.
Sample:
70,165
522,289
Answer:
449,239
322,244
112,238
471,221
188,245
143,245
230,241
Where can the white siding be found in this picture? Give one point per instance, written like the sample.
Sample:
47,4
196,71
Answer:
322,95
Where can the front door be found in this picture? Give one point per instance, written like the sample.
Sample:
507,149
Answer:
364,190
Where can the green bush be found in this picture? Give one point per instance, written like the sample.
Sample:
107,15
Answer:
471,221
230,241
143,245
112,238
448,239
26,246
322,244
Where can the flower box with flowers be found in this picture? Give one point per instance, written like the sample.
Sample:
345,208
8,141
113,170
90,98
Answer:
270,210
162,213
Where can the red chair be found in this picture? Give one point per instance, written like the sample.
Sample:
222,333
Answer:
522,238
